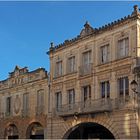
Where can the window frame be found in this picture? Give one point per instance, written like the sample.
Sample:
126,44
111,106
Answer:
71,65
58,100
58,68
107,45
105,89
123,48
9,105
123,86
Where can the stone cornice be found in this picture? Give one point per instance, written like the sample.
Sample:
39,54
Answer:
89,31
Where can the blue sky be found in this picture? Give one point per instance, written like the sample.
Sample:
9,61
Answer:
27,28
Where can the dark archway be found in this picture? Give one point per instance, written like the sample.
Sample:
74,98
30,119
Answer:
89,131
11,132
35,131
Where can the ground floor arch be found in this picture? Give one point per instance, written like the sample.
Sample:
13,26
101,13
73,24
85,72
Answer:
35,131
11,132
88,130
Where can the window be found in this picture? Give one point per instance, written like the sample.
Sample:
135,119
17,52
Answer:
71,96
58,100
123,46
71,64
123,85
58,69
40,102
104,53
86,93
25,103
105,89
86,67
8,105
40,98
86,58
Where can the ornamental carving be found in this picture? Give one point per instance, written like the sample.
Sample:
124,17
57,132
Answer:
17,104
122,72
85,82
70,84
105,76
58,87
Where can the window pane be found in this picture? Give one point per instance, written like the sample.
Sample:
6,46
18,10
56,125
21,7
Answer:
123,86
126,86
87,58
58,99
86,93
105,89
108,89
71,96
58,69
25,101
8,105
71,64
123,46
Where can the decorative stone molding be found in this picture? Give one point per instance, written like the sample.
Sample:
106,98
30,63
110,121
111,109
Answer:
122,72
86,81
104,77
58,87
89,31
70,84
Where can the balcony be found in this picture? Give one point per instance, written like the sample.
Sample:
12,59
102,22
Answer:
93,106
25,112
8,114
1,115
39,110
85,69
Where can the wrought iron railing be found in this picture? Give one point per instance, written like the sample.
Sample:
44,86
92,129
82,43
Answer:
25,112
1,115
94,106
8,114
85,69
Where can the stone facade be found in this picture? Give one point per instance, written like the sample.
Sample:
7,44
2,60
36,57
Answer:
90,78
88,87
19,108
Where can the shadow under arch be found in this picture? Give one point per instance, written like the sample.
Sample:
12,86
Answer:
35,131
88,130
11,132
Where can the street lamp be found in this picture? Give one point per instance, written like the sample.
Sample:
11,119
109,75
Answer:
134,87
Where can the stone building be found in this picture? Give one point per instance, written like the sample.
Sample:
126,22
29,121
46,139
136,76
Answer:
88,92
23,104
90,78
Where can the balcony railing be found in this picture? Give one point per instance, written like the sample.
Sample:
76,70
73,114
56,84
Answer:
93,106
40,110
85,69
1,115
8,114
25,112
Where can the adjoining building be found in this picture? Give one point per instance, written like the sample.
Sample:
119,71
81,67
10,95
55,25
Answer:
23,104
90,78
87,93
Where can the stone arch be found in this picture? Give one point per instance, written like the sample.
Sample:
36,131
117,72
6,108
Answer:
35,130
105,123
11,131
